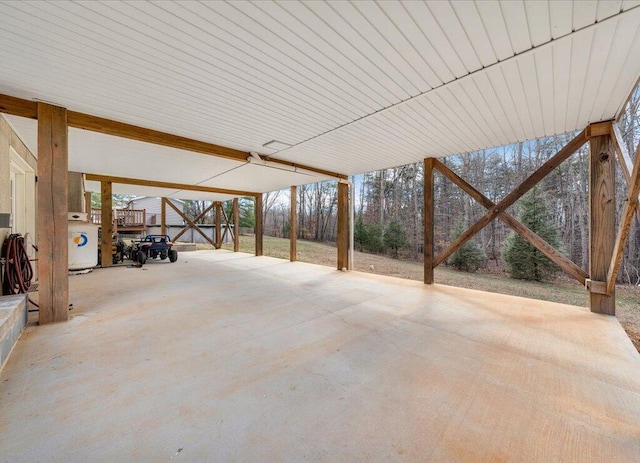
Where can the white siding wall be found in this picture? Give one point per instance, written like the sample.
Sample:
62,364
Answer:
153,206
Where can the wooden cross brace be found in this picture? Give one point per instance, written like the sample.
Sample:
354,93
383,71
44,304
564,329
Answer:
561,260
630,206
228,228
498,210
191,223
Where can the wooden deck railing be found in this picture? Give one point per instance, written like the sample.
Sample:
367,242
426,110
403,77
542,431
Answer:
123,219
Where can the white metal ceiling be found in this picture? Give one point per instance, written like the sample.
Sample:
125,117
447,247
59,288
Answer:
354,86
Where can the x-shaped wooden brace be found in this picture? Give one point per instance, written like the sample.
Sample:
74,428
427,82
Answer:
228,228
498,210
631,172
191,223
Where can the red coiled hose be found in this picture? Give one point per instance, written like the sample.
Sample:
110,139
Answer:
18,272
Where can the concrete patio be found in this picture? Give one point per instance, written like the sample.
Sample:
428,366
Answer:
229,357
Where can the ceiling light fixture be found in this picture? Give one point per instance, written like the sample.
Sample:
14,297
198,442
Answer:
277,145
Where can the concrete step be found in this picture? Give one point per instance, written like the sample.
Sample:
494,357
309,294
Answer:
13,318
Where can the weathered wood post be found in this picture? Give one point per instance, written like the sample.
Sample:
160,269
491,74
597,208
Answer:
602,218
107,223
52,218
428,220
343,225
163,216
293,225
258,225
218,244
236,225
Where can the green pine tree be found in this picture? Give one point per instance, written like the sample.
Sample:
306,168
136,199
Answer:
524,261
246,212
469,257
374,242
360,233
395,238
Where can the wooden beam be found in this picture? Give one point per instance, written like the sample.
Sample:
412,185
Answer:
236,225
343,226
327,173
630,206
534,239
258,214
132,132
598,129
25,108
106,207
163,216
624,158
602,221
87,204
293,225
18,107
218,206
173,186
52,217
428,208
516,194
593,286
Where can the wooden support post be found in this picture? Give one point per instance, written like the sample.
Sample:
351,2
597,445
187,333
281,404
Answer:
106,223
343,225
428,221
75,197
236,225
163,216
258,224
218,206
87,204
602,219
293,225
52,218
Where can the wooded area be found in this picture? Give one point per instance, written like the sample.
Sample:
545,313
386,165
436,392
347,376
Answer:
393,197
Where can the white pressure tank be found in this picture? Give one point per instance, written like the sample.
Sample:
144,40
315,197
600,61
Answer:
83,242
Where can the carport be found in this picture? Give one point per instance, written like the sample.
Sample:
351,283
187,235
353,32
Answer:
223,100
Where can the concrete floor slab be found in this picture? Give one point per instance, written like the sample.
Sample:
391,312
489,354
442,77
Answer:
228,357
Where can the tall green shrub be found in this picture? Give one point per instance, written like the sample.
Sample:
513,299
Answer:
360,233
395,237
469,257
374,241
523,260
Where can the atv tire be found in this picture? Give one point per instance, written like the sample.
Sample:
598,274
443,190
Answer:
142,257
173,255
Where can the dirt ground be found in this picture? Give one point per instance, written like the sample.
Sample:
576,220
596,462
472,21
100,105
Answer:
561,290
